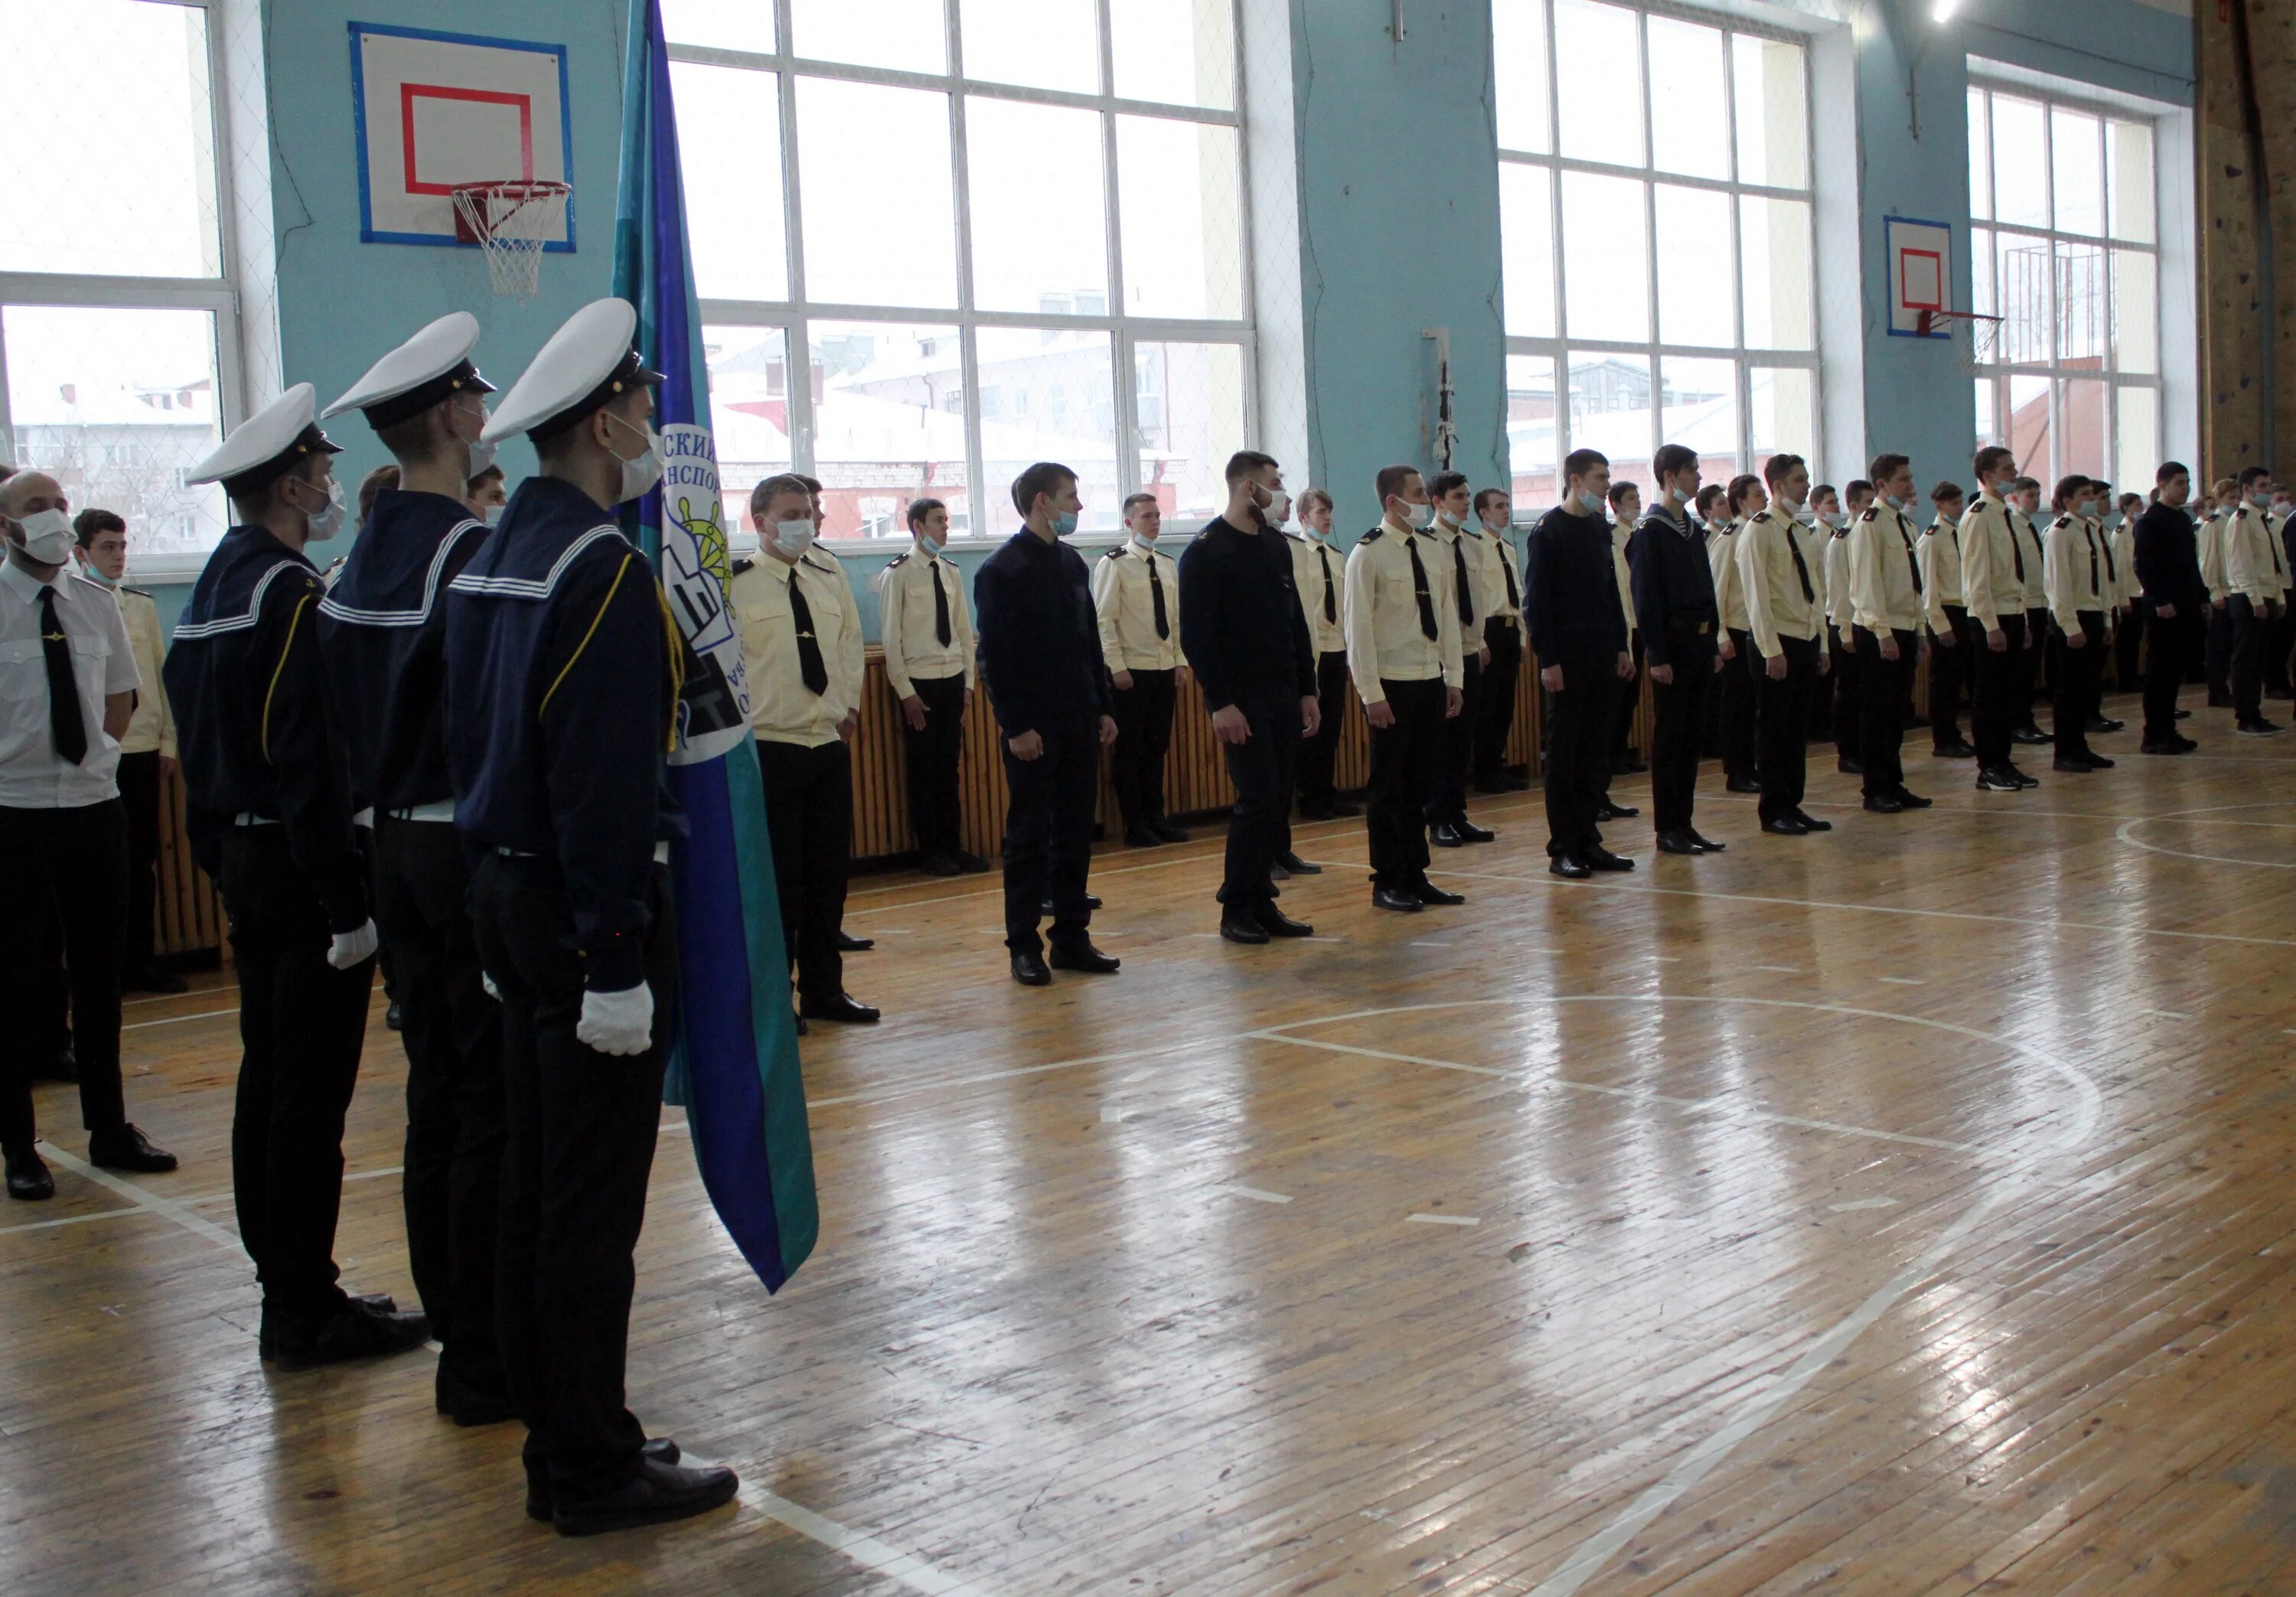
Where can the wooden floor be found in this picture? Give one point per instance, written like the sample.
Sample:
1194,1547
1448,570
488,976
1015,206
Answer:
1906,1209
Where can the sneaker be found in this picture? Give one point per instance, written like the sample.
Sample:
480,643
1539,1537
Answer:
1999,782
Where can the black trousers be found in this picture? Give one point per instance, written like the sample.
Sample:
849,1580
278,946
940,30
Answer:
1785,724
452,1031
1849,692
2126,642
2038,627
1319,754
2250,625
1048,836
2215,653
1405,761
2169,651
1992,708
809,794
1951,665
61,869
936,815
580,1146
1494,714
2073,682
1263,768
1448,801
1143,737
1741,709
1623,705
1677,711
2279,639
1884,689
139,796
301,1026
1578,752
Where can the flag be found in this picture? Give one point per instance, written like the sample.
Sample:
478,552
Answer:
733,1064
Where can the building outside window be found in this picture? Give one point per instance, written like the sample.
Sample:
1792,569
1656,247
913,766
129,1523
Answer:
2065,249
118,345
928,234
1656,228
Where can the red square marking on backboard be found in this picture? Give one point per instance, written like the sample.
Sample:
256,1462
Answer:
409,93
1937,266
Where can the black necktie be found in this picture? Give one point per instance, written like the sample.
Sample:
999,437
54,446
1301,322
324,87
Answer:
1801,566
2110,572
1330,597
1156,597
1466,591
940,607
64,719
1419,589
2092,561
1515,599
2016,551
809,667
1912,565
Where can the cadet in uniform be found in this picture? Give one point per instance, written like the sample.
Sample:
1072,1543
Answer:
2025,502
2174,598
1939,551
1993,575
1040,657
2073,572
1820,517
2255,578
1502,636
1247,639
269,815
1674,596
1320,575
2217,645
1886,612
797,620
1404,654
1841,626
383,632
2128,627
2101,520
1579,631
563,671
1786,619
926,624
1136,594
1452,530
1738,706
1626,509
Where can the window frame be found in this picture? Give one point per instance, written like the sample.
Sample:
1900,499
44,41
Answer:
1745,359
217,294
1999,374
796,313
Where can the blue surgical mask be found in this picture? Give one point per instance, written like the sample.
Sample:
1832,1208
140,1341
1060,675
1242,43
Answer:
95,573
794,539
2085,508
1063,523
1591,502
1897,505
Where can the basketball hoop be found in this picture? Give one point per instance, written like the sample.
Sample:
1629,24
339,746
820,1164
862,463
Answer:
1975,335
511,220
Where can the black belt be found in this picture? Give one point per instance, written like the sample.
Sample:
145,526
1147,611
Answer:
1688,629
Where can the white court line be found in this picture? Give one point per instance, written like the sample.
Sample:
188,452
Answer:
2126,835
165,1208
205,1014
2165,1014
1781,970
1255,1194
1905,981
110,1214
1859,1203
1445,1219
1598,1549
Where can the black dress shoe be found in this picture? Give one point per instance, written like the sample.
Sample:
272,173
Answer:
29,1181
1084,957
1444,834
659,1450
1603,859
1811,822
393,1020
1298,866
1741,784
1616,812
1397,899
2256,726
125,1148
1884,804
1140,837
150,979
972,865
1275,923
1676,842
1470,832
1428,893
1906,800
1167,832
2031,735
1242,928
1706,844
1848,767
2184,714
938,864
847,943
2097,762
1785,826
2105,724
1029,969
2071,766
1568,866
1342,809
842,1007
1957,750
1999,782
354,1331
656,1494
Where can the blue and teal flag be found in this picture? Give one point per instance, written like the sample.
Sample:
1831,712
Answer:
734,1064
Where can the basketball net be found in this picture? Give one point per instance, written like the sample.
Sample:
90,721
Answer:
1976,336
510,220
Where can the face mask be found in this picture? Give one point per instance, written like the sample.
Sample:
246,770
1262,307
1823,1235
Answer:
794,539
2260,501
325,524
495,515
48,536
94,573
641,473
1896,504
2085,508
1492,527
1422,516
482,456
1835,519
1591,502
1278,508
1064,523
2111,519
1448,519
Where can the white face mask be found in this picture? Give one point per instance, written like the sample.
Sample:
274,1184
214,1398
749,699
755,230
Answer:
1896,504
794,539
1448,520
495,515
48,536
1835,519
324,524
1420,516
2085,508
1493,527
641,473
1278,508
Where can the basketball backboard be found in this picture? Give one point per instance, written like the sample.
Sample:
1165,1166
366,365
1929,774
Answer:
435,109
1919,262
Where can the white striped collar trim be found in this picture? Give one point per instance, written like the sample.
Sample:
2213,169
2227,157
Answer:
336,610
526,587
241,623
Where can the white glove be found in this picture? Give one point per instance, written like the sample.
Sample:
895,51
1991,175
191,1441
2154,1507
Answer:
617,1022
349,948
487,982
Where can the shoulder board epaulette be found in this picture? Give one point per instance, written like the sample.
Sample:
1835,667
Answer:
898,559
1760,515
2061,520
741,566
1375,534
1871,513
139,593
1117,553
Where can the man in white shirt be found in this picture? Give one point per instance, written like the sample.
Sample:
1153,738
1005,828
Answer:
67,684
2255,578
927,625
2216,511
1136,594
1320,572
1502,636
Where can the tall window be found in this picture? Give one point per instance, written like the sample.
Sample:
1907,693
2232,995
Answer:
937,240
116,336
2065,249
1655,210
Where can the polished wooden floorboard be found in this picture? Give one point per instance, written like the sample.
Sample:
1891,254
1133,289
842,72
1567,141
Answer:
1906,1209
